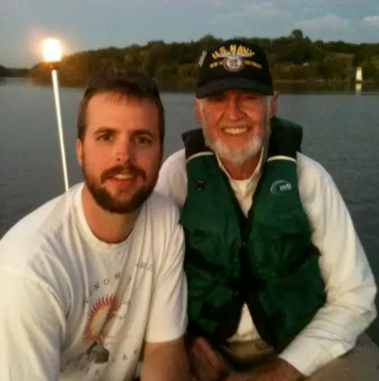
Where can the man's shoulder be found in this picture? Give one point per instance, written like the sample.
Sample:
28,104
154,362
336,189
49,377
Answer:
310,167
32,226
162,207
313,177
32,233
173,177
176,161
160,227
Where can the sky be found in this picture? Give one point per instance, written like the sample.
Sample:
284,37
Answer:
92,24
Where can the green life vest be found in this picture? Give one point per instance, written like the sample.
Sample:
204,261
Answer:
266,260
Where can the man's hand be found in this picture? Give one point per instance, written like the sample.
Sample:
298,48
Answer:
276,370
166,361
205,363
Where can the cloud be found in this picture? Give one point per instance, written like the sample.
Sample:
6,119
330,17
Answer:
372,21
333,23
333,27
327,22
266,11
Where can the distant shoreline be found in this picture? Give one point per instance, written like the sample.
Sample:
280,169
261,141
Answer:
282,86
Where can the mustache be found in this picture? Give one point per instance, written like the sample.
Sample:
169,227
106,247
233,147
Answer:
236,125
129,168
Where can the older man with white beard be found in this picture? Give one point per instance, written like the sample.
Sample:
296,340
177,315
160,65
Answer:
279,284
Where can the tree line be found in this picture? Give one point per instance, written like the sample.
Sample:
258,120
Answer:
11,72
293,58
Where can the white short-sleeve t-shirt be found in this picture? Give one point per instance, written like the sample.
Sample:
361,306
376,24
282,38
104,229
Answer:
62,290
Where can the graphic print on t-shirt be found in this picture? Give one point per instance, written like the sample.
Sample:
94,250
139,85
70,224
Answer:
102,313
105,314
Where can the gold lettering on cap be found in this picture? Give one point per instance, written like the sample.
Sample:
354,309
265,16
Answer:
233,49
253,64
234,58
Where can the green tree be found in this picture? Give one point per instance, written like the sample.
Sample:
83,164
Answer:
297,34
370,71
294,57
3,71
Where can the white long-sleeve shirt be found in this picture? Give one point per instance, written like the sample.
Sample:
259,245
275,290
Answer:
349,282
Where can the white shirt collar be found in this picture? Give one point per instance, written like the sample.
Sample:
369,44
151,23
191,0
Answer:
255,174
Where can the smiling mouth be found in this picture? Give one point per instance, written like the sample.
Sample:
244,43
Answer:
123,176
235,130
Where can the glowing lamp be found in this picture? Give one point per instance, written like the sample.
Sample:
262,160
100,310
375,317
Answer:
52,50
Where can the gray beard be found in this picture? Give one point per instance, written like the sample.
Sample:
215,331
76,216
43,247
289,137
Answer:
241,155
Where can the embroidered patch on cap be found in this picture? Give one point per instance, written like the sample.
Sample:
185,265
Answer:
234,58
233,64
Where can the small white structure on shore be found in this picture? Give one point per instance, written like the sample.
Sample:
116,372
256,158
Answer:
359,75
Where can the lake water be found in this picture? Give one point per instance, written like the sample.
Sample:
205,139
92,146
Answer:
341,131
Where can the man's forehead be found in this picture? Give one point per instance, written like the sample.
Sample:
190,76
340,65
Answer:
116,97
105,104
236,91
107,108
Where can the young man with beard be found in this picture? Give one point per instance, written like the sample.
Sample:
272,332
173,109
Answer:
91,277
278,282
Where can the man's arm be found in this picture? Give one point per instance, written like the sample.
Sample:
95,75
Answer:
207,364
349,282
31,327
165,361
276,370
164,355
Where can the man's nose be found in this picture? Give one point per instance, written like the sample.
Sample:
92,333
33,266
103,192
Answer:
123,150
233,110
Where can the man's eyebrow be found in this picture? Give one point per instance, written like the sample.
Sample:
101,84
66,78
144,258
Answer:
104,129
137,132
144,131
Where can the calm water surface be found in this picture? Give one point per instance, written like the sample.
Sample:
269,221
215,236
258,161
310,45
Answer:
341,131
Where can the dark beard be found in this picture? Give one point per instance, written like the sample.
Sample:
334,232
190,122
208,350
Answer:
108,203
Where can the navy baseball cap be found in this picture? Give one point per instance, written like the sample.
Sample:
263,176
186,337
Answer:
233,64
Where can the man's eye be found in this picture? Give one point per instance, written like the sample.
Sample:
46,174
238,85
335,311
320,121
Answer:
143,140
216,98
249,96
105,137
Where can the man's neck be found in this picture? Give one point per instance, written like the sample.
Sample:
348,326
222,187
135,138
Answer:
107,227
241,171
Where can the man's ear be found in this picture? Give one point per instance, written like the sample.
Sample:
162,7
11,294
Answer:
274,104
79,151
